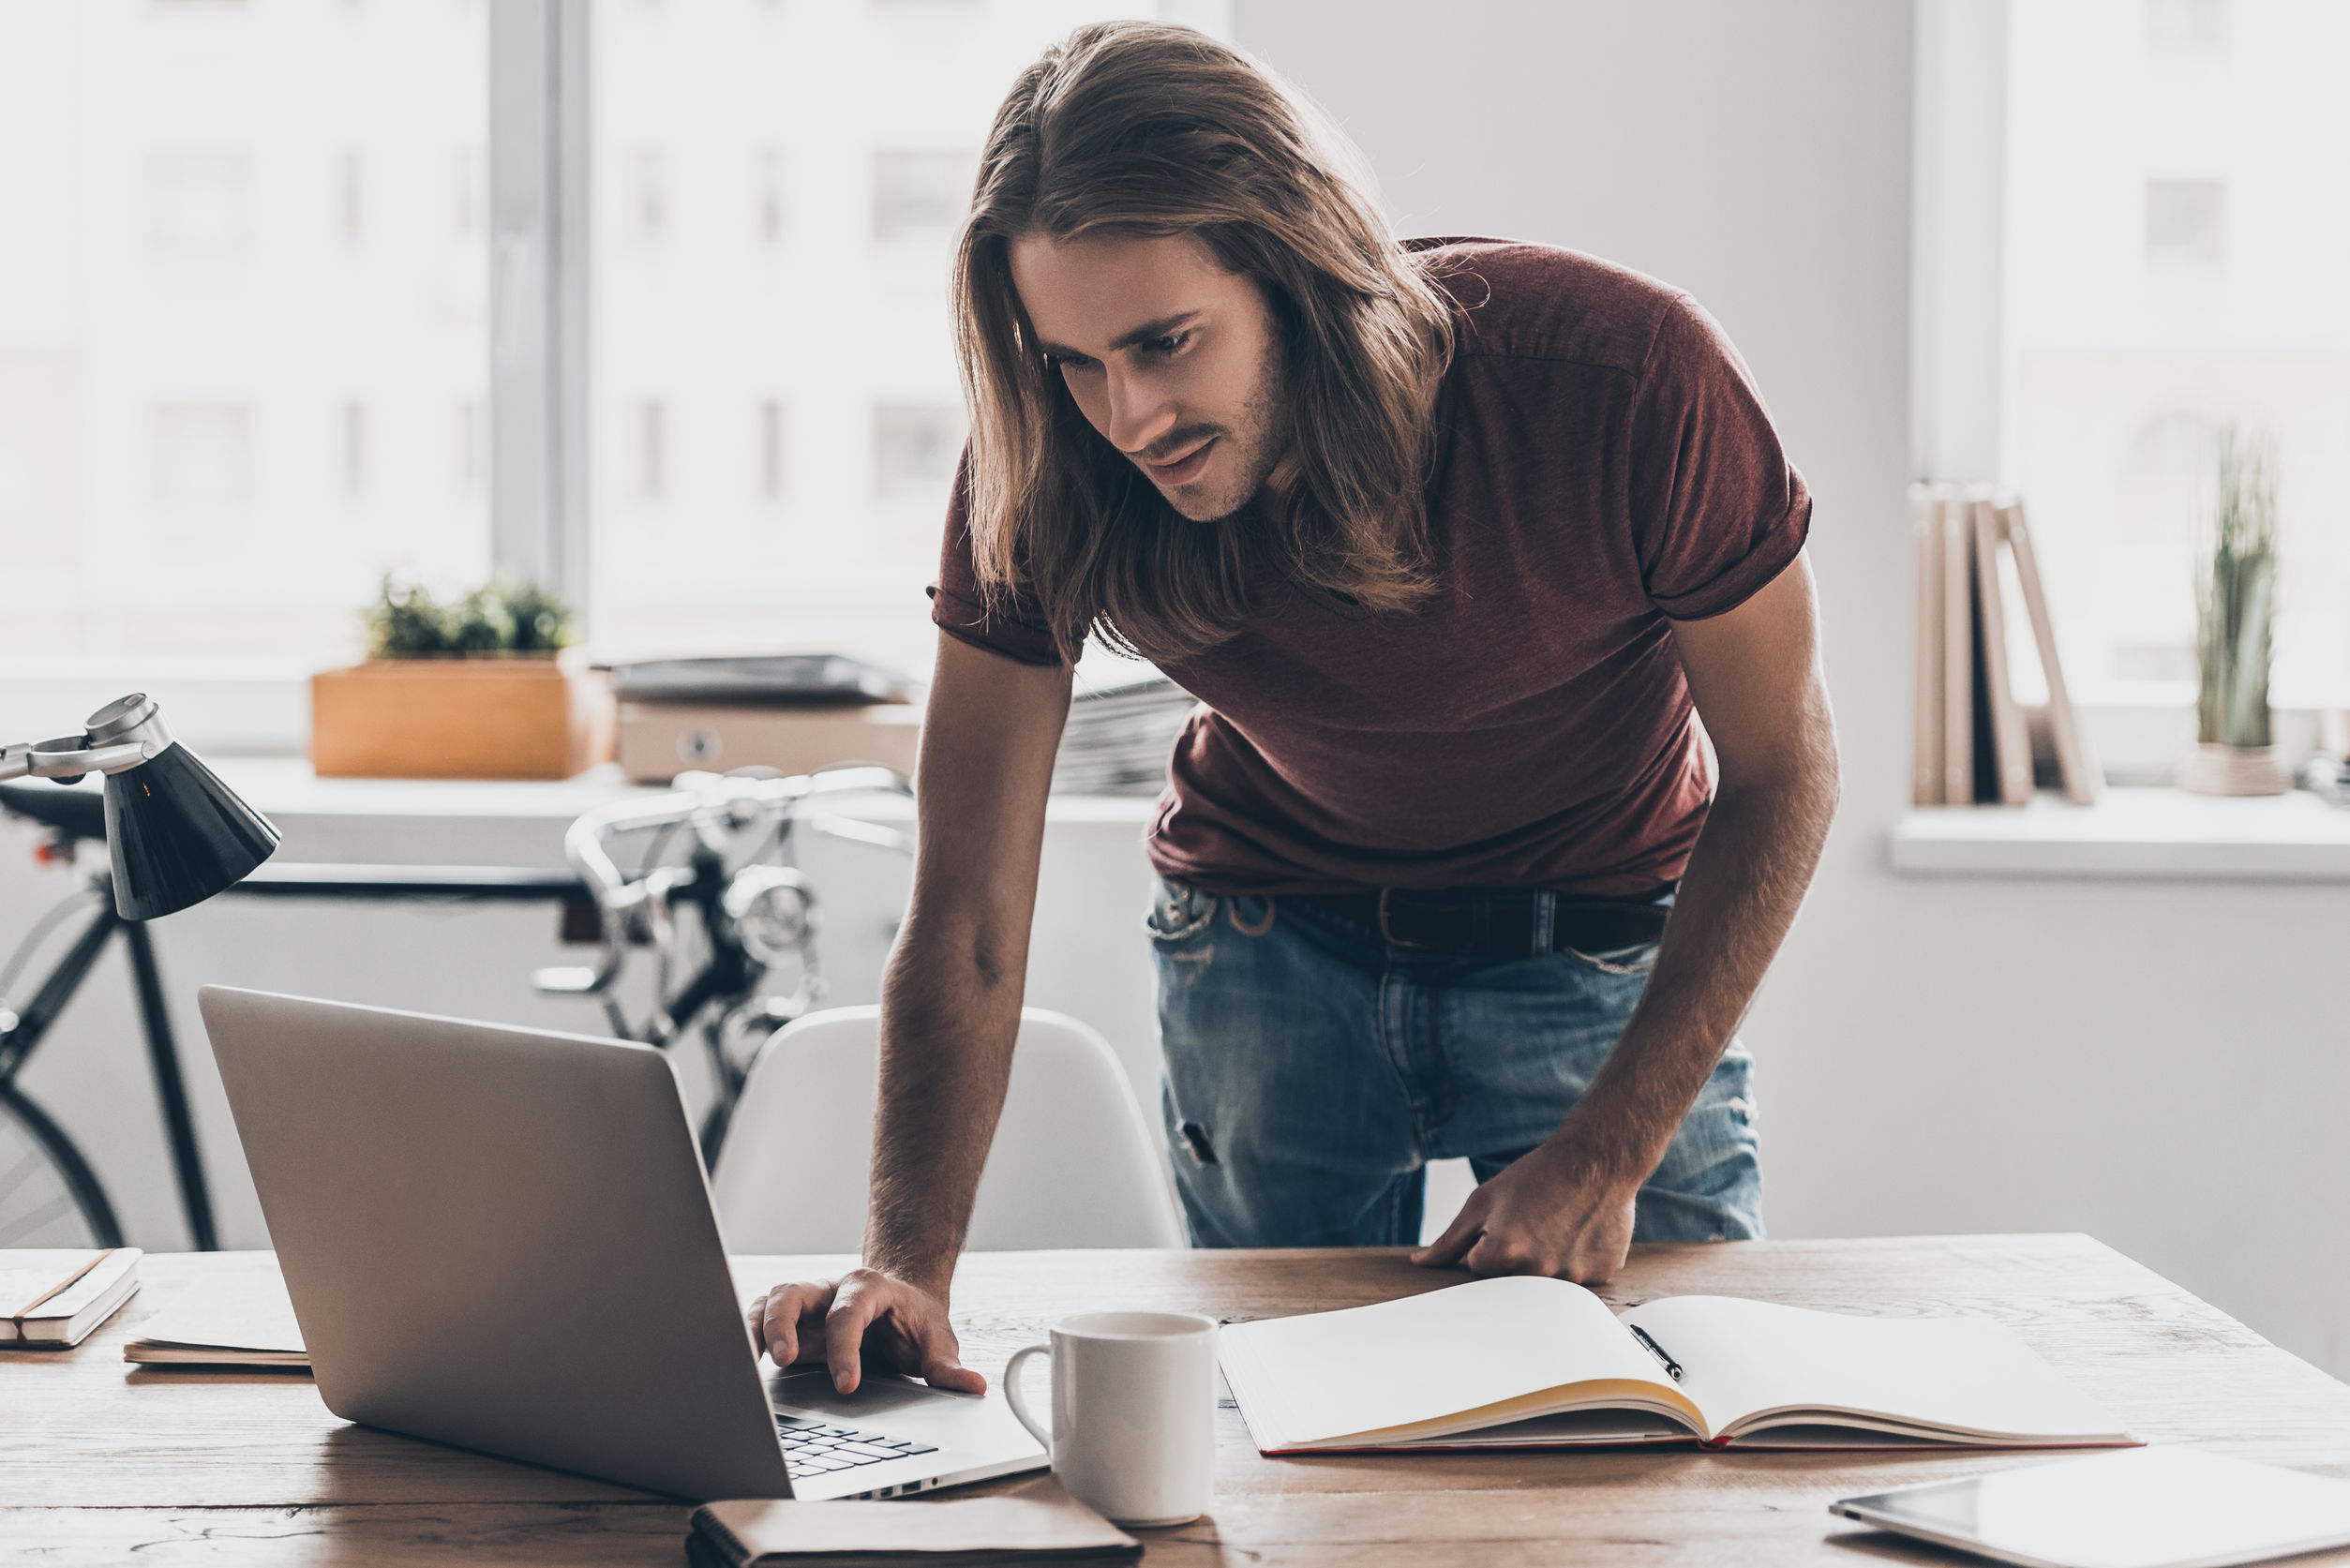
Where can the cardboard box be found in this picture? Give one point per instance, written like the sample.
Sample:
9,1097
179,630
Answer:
659,741
474,718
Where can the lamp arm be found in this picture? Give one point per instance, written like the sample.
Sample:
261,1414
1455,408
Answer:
121,736
69,756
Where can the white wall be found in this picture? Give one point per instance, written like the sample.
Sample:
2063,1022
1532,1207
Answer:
2161,1065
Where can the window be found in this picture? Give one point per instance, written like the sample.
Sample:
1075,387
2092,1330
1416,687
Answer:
653,451
2185,24
352,463
466,169
469,448
350,198
648,196
229,307
770,449
198,208
2186,220
245,317
817,161
203,454
914,449
769,199
2177,209
919,195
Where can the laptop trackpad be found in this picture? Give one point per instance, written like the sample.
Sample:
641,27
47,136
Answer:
810,1388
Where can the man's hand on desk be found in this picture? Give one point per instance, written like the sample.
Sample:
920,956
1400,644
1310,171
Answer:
862,1315
1552,1212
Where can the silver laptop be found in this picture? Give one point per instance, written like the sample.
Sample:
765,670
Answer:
501,1238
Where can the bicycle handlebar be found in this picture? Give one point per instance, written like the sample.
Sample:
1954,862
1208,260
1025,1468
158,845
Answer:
712,803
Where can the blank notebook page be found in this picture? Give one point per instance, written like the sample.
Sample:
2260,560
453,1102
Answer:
1427,1357
1963,1374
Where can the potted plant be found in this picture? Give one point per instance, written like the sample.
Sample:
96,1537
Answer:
482,687
2235,612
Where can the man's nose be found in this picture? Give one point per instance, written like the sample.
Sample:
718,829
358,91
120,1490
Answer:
1140,416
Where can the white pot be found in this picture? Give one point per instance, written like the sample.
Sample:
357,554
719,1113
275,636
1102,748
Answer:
2217,769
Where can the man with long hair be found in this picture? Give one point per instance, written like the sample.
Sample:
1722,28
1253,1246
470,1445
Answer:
1467,549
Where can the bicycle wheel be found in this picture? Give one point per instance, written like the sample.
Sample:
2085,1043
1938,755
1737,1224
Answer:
49,1196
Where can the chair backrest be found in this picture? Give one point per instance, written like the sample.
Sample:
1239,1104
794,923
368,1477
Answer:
1073,1164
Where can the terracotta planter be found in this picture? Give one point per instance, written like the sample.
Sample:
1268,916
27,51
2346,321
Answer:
2217,769
489,718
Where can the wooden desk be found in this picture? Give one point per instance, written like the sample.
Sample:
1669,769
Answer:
98,1458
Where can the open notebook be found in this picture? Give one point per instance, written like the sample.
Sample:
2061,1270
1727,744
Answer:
233,1320
1541,1363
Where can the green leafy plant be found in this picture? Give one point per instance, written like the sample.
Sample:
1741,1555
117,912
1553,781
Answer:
540,620
407,621
2235,597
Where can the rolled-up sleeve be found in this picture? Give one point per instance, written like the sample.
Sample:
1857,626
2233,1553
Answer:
1718,511
1013,626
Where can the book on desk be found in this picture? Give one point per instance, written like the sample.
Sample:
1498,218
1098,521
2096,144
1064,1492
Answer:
53,1298
1537,1363
242,1320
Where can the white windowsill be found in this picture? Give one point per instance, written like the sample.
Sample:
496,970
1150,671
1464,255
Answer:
510,822
285,786
2165,833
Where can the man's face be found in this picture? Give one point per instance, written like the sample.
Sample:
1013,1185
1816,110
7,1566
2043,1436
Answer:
1173,359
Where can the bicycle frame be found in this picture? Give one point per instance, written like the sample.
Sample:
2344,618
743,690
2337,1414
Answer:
24,1032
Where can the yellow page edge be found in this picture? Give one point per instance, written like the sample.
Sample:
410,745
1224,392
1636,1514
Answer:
1266,1418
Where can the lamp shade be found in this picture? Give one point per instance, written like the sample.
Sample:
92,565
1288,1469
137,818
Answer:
177,834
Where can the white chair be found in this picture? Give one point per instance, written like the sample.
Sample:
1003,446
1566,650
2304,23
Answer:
1073,1164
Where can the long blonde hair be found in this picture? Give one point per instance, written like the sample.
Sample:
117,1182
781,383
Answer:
1146,129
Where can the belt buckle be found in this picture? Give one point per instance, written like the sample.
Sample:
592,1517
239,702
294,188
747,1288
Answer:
1386,933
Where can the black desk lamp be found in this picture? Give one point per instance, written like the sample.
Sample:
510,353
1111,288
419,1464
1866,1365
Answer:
176,834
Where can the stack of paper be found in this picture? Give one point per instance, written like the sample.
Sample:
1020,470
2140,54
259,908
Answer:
1119,735
55,1297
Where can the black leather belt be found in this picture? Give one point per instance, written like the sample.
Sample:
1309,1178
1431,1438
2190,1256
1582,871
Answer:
1504,924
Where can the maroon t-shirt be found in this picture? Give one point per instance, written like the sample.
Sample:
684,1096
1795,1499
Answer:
1604,467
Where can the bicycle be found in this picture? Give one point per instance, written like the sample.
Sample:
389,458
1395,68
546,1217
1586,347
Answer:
757,916
753,915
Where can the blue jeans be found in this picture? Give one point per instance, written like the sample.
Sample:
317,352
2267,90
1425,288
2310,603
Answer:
1313,1071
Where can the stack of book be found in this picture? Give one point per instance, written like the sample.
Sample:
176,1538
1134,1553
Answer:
1974,741
1120,735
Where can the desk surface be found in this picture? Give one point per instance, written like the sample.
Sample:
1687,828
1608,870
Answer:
98,1458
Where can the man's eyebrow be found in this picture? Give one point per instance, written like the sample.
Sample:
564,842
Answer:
1142,333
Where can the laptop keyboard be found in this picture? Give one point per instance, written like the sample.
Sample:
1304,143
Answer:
814,1448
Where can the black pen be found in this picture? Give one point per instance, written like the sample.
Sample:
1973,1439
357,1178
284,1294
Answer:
1655,1349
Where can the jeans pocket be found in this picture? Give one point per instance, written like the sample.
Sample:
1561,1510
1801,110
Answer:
1179,914
1638,959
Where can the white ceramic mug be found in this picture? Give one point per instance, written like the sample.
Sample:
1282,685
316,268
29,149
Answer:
1133,1428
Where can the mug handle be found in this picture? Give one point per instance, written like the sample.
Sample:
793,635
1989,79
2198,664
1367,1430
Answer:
1019,1406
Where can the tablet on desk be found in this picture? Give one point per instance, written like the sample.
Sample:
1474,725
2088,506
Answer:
2148,1508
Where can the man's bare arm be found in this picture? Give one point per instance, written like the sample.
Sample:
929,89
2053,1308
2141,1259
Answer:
1754,675
949,1015
950,999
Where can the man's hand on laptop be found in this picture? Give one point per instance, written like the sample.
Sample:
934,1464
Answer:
864,1315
